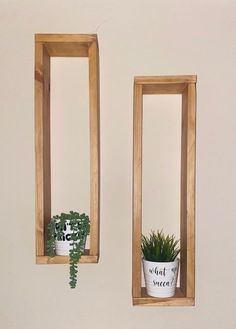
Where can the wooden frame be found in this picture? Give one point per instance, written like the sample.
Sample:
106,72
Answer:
64,45
185,85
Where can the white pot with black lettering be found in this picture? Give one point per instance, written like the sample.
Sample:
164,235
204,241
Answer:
63,245
161,277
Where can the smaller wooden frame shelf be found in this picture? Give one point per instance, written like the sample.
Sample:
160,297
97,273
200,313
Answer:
64,45
186,86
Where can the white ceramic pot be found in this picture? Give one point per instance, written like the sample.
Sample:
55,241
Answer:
63,246
160,278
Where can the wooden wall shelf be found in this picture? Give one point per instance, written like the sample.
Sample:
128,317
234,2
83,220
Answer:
64,45
186,86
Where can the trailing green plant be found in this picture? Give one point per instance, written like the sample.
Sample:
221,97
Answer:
80,227
158,247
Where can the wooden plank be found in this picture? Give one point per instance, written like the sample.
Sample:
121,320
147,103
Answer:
39,148
165,79
66,38
178,300
42,145
46,144
137,189
174,302
94,147
163,88
67,49
191,150
187,265
183,194
85,259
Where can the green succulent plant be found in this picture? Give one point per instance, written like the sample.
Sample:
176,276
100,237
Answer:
158,247
80,227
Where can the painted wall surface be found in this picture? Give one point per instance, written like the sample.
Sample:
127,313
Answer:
151,37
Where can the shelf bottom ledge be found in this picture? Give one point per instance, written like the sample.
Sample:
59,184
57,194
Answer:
177,300
86,259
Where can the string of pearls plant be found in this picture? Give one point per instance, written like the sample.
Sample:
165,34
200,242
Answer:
72,228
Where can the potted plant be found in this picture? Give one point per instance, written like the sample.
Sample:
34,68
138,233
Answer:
160,263
67,235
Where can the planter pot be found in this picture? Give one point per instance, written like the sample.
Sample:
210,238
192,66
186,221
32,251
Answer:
160,278
63,246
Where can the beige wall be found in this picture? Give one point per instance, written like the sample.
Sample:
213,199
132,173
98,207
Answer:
149,37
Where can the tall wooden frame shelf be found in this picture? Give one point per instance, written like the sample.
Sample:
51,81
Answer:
64,45
186,86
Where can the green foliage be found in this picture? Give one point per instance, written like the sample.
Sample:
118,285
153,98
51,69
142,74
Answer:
80,226
159,248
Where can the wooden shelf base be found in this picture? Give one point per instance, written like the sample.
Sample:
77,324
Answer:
178,300
86,258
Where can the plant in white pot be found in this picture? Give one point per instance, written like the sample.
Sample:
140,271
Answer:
67,235
160,263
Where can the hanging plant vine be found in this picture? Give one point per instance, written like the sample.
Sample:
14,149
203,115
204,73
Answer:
80,227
